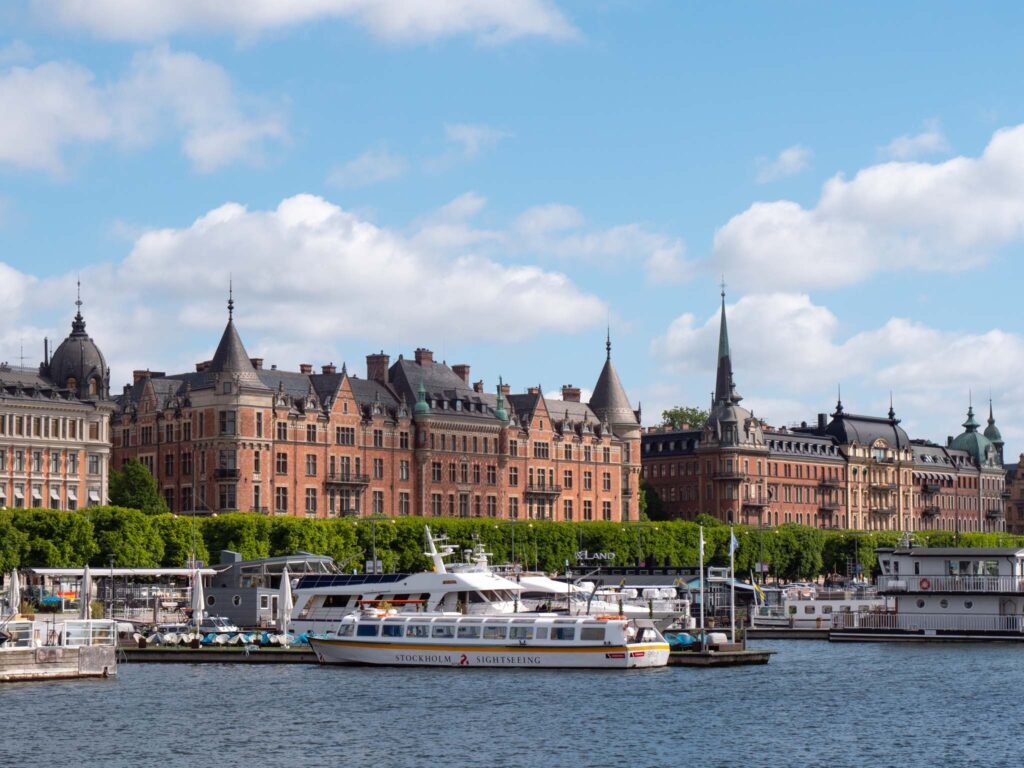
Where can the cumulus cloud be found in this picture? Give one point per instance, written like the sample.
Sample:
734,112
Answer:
789,162
930,141
790,353
946,216
306,274
464,142
371,167
488,21
57,106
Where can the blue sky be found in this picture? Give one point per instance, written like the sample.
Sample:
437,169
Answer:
498,181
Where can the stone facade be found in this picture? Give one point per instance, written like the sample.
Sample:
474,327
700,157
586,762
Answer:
844,471
411,438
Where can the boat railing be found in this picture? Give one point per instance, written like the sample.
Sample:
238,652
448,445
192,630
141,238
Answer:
67,633
927,621
995,584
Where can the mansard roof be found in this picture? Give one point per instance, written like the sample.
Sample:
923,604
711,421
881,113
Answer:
849,428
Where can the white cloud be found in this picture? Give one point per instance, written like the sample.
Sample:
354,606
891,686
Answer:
57,106
488,21
371,167
15,52
946,216
472,139
789,162
931,141
789,354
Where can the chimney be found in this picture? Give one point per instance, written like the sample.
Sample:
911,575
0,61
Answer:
200,367
257,363
570,394
424,356
506,389
949,441
327,369
273,367
138,375
533,390
377,367
305,367
478,386
822,422
462,371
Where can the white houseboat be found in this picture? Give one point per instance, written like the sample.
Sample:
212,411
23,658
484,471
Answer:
57,649
944,593
452,640
807,607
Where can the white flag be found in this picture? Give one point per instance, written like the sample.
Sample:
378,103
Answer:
702,545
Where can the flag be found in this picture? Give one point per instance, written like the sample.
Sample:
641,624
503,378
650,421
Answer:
733,543
701,545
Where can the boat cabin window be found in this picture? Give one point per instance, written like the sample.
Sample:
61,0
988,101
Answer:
339,601
646,635
480,597
468,631
520,633
495,632
392,630
563,633
826,609
444,630
972,567
368,630
808,609
542,633
346,630
592,633
417,630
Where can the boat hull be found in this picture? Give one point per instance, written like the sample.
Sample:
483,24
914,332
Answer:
57,663
638,655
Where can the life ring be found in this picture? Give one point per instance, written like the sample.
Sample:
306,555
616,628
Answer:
608,617
925,584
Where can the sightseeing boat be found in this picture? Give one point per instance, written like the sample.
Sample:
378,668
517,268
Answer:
381,637
943,593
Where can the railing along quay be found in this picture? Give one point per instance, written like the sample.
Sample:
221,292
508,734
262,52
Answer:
996,584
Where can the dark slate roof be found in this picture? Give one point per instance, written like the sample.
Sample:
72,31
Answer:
80,358
368,391
671,443
29,383
232,358
802,443
448,393
864,430
609,401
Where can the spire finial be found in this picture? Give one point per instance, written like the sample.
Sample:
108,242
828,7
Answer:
892,411
78,301
231,298
608,342
722,286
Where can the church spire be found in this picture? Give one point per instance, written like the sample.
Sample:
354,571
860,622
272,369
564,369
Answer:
725,389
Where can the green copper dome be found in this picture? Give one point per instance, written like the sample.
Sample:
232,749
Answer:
992,431
499,407
421,408
972,441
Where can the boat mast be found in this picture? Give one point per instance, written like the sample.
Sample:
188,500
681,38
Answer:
702,583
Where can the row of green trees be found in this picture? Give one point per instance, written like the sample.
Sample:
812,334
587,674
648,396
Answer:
128,537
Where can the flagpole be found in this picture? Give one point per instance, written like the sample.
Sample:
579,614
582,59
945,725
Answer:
702,632
732,585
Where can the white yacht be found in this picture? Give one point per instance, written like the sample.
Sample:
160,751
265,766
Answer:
662,604
322,600
807,607
944,593
446,640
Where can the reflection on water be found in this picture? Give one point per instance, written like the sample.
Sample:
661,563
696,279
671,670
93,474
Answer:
814,704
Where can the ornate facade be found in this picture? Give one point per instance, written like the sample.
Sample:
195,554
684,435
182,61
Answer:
844,471
411,438
55,427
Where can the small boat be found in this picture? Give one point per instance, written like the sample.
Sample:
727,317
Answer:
376,637
56,649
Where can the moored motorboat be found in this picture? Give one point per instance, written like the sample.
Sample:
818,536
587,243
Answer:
449,640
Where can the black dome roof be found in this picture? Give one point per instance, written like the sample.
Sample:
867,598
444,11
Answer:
79,365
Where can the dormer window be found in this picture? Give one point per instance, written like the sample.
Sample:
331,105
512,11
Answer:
227,388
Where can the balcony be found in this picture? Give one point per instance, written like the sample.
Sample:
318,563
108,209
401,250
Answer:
930,511
223,473
829,506
729,474
957,584
995,513
883,486
830,482
758,503
884,511
627,492
1006,493
930,489
346,479
543,489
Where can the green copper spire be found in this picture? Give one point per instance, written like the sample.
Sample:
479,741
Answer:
421,407
725,388
499,407
971,425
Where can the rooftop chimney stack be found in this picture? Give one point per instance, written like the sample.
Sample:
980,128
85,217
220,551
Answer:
328,369
462,371
305,367
377,367
478,386
570,394
424,356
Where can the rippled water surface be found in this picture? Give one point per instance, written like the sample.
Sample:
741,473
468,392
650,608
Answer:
815,704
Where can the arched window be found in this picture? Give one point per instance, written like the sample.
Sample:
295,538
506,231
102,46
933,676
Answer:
71,383
93,388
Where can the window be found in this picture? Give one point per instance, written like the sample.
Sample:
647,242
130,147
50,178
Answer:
606,454
168,433
513,476
469,630
378,438
541,450
186,431
495,633
492,474
435,504
463,505
567,451
563,633
256,461
169,465
259,424
520,633
403,470
54,462
606,510
403,503
282,430
476,474
94,464
281,463
310,501
227,422
378,502
513,447
186,464
451,471
513,508
368,630
435,471
403,439
378,469
588,510
592,633
492,506
345,435
606,481
464,472
391,630
310,464
280,499
311,433
567,479
19,461
226,496
37,461
567,509
588,481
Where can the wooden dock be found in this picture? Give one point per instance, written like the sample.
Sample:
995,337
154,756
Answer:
731,658
785,633
235,655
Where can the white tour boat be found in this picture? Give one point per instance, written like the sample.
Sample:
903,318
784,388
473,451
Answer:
378,637
808,607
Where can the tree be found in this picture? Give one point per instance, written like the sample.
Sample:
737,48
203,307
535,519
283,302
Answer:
681,415
133,487
651,507
126,536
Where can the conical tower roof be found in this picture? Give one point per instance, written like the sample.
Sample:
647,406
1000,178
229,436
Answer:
231,357
725,387
609,401
992,431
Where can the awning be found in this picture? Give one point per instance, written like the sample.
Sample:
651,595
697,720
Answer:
73,494
55,494
94,495
37,493
19,493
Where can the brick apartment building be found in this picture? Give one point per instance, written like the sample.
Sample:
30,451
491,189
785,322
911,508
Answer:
55,427
413,437
844,471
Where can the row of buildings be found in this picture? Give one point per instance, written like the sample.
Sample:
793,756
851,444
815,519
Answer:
418,437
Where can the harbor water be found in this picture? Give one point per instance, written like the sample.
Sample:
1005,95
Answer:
814,704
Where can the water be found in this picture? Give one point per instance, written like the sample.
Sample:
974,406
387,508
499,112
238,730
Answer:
814,704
